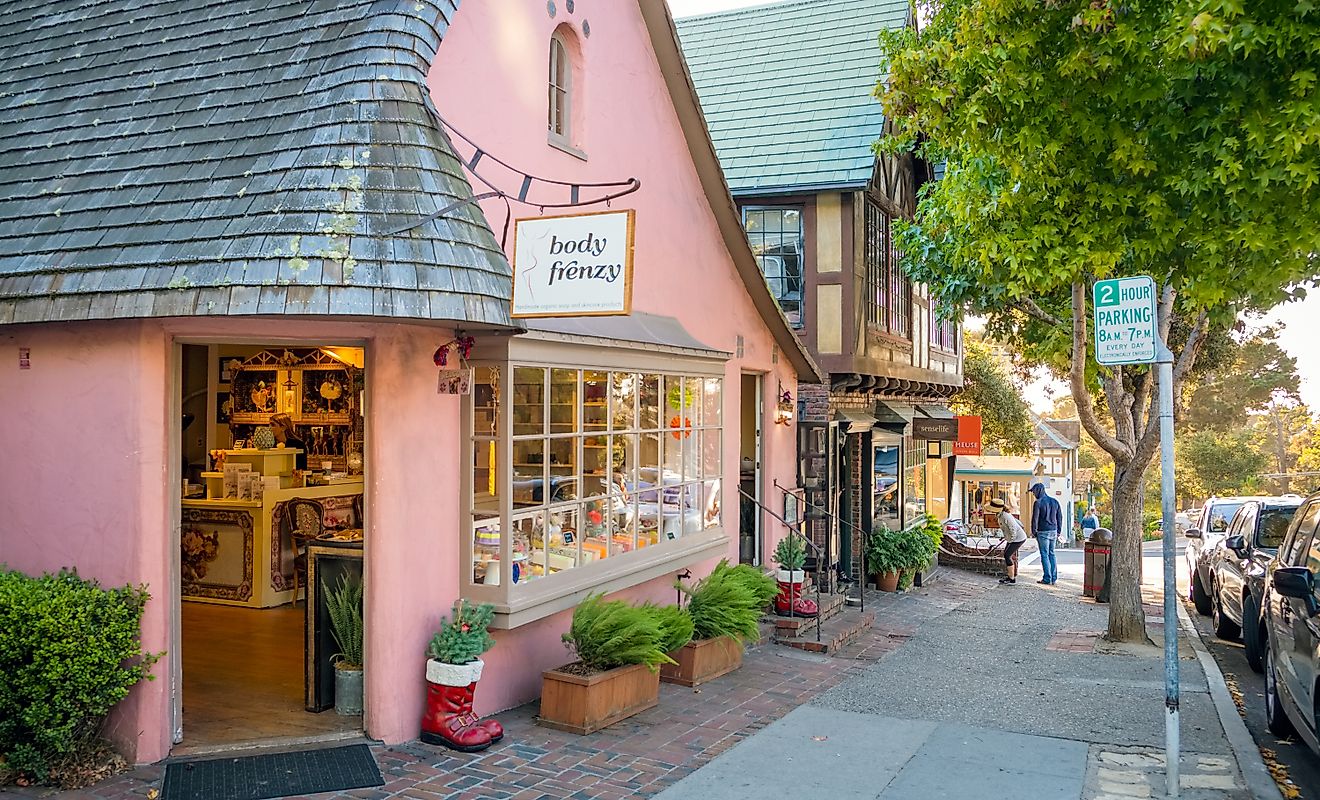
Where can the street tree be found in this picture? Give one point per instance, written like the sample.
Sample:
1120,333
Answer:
1252,375
1087,139
989,392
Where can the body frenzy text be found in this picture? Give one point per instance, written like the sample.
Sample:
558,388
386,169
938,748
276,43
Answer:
572,270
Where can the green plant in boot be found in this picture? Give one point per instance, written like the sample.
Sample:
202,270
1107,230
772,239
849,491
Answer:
464,637
791,553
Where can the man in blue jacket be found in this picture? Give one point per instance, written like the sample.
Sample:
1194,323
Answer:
1046,517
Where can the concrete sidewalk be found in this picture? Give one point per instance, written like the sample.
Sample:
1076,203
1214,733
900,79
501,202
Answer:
1007,693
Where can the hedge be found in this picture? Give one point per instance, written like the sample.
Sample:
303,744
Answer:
69,651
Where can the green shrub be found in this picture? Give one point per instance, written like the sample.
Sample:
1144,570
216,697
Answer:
675,625
919,545
462,639
608,634
884,551
344,604
729,602
69,651
934,530
791,552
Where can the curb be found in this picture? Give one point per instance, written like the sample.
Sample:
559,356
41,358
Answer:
1259,782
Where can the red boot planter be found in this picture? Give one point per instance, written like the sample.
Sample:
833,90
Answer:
449,719
790,602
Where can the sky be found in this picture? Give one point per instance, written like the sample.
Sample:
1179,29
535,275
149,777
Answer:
1299,333
1300,321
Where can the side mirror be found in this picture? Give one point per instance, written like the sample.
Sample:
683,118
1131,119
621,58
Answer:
1238,544
1294,582
1193,533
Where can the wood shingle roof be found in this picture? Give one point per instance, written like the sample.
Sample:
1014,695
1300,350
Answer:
203,158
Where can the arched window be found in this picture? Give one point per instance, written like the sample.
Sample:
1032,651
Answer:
561,90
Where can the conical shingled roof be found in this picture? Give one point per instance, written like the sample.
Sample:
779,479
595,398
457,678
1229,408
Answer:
194,158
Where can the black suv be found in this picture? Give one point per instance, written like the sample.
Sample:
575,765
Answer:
1292,624
1202,538
1237,571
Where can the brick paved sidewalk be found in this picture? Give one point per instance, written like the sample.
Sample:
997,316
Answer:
638,757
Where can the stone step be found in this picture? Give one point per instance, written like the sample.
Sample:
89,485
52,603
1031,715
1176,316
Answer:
834,634
830,604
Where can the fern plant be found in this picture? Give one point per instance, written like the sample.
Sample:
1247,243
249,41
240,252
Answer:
885,551
791,553
464,637
608,634
729,602
675,625
344,603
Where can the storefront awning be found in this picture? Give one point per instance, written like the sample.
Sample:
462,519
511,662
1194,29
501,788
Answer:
894,416
1015,467
637,330
858,421
936,412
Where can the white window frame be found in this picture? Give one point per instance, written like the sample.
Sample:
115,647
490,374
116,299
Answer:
549,594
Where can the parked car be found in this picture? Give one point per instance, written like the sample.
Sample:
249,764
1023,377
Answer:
1202,538
1237,571
1292,625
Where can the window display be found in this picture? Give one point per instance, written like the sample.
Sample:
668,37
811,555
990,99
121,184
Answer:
602,463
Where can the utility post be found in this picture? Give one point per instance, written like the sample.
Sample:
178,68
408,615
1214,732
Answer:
1127,332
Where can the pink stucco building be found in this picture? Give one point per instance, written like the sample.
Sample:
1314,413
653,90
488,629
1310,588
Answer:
270,212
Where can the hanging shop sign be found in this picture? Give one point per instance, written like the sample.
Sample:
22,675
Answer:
968,442
935,430
573,266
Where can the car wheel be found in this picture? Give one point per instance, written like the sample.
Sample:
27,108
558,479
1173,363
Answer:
1225,628
1200,598
1275,718
1253,635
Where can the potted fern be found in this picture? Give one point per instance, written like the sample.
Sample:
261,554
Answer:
723,609
886,557
619,649
453,668
791,556
344,604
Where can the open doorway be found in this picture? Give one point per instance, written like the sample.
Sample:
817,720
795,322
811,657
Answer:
271,523
749,470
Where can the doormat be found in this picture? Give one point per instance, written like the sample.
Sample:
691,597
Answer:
272,775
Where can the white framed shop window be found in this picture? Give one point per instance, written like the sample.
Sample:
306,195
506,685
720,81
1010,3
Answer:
588,477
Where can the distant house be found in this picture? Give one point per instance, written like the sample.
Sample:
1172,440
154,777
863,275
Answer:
786,89
1056,446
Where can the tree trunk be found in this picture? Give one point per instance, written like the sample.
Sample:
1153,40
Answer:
1127,620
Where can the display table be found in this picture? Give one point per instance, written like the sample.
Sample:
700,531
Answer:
240,552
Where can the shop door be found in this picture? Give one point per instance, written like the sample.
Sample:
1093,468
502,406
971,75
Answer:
749,473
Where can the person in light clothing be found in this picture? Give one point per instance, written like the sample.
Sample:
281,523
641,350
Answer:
1014,537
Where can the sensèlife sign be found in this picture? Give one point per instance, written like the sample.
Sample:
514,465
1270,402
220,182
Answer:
1125,320
573,266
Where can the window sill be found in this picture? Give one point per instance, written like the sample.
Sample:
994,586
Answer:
560,592
562,144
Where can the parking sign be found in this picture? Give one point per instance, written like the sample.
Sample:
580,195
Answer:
1125,320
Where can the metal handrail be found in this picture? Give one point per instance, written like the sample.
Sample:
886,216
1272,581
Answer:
819,558
861,590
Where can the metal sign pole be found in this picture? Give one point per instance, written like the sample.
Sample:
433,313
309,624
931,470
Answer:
1168,502
1126,332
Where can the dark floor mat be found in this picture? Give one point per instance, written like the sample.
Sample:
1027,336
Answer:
272,775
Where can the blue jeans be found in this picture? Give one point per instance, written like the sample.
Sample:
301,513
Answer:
1045,541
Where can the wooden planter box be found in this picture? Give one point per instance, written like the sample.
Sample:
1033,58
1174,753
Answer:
585,704
703,660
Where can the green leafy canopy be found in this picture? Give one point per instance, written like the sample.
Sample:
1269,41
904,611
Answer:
1087,139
